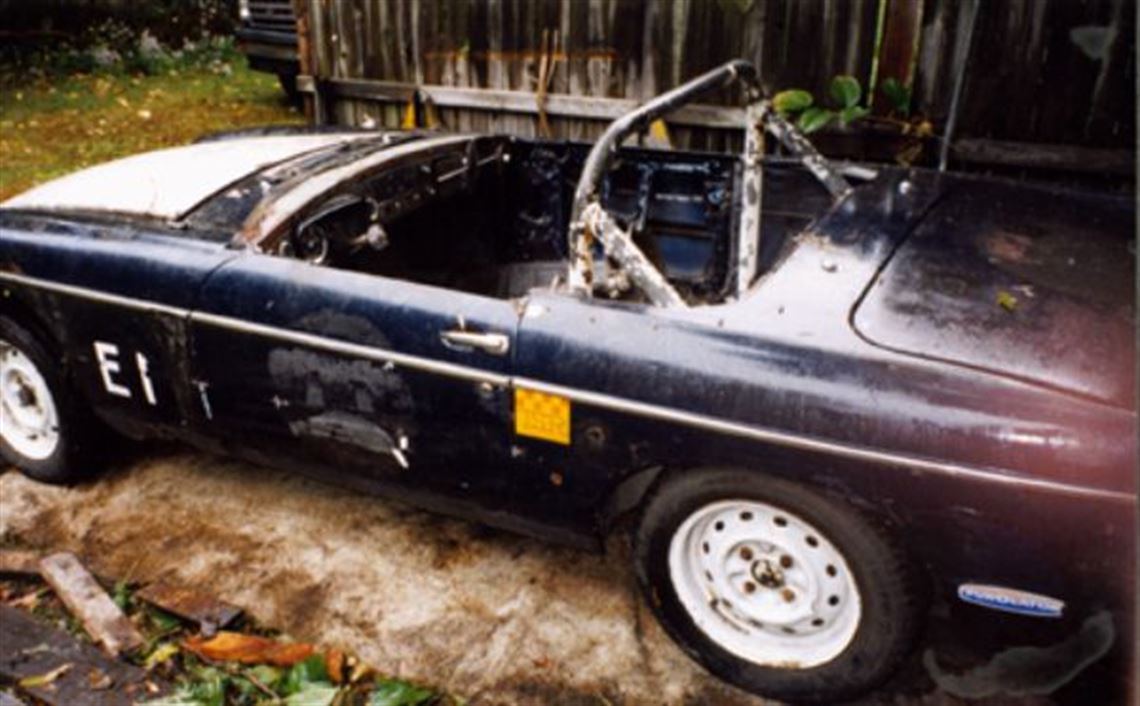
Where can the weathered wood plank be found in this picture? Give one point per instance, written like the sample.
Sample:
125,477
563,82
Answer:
900,43
1061,157
87,600
28,648
209,612
19,562
586,107
1040,84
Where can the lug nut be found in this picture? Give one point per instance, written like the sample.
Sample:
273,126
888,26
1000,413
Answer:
786,561
749,587
746,554
788,594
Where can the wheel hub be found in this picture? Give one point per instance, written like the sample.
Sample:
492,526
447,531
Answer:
764,584
29,420
767,574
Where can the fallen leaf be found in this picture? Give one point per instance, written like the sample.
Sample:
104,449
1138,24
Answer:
44,679
98,680
1006,300
313,695
161,654
248,649
334,664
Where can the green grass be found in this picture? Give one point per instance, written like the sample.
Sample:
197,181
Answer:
54,126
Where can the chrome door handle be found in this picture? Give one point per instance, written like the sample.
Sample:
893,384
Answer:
493,343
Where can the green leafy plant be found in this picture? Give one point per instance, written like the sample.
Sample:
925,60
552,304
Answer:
845,93
393,692
898,94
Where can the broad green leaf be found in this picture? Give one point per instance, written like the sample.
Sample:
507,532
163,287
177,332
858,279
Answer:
211,692
312,670
165,622
898,95
792,101
265,674
846,91
313,694
814,119
121,595
393,692
850,115
182,697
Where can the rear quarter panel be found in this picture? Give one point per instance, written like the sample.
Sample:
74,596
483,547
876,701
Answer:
119,286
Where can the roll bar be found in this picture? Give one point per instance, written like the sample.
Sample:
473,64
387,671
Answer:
590,222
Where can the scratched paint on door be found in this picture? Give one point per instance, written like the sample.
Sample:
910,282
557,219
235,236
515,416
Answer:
542,416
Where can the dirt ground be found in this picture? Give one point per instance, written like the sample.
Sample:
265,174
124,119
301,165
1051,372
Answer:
496,618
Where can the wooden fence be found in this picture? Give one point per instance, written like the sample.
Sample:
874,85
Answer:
1057,74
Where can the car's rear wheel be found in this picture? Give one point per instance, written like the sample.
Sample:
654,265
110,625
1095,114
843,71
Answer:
775,588
42,432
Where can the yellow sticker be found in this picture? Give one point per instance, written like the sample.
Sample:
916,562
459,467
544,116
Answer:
542,416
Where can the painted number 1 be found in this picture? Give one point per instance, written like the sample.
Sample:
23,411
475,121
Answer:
108,356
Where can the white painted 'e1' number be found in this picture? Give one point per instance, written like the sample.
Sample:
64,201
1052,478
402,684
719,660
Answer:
108,356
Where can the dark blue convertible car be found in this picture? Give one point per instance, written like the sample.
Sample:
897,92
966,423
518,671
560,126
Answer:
821,395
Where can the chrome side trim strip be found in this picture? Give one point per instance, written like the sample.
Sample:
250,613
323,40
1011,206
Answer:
780,438
594,399
380,355
95,295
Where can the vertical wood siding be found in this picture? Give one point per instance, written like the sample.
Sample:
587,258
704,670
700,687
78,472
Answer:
1030,80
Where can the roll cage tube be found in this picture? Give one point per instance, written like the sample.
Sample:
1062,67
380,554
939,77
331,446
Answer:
589,221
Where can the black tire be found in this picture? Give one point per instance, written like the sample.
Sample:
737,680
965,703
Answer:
75,456
890,594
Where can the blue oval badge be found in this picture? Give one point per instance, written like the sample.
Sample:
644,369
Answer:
1011,600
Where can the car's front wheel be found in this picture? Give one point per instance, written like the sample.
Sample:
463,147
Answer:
774,587
42,432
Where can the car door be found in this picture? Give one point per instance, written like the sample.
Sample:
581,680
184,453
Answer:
361,379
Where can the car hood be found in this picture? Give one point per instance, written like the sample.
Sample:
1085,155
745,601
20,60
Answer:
1024,282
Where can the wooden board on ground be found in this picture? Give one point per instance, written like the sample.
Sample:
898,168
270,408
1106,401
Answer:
30,649
88,602
19,562
209,612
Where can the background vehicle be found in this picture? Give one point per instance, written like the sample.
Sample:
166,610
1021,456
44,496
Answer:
807,382
268,37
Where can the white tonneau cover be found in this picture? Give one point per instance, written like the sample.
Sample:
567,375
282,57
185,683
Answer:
169,183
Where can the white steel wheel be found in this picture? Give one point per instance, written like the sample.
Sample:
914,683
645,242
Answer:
29,418
775,586
764,584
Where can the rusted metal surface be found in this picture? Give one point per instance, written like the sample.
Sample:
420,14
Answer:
795,142
209,612
28,648
588,224
87,600
620,247
752,192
